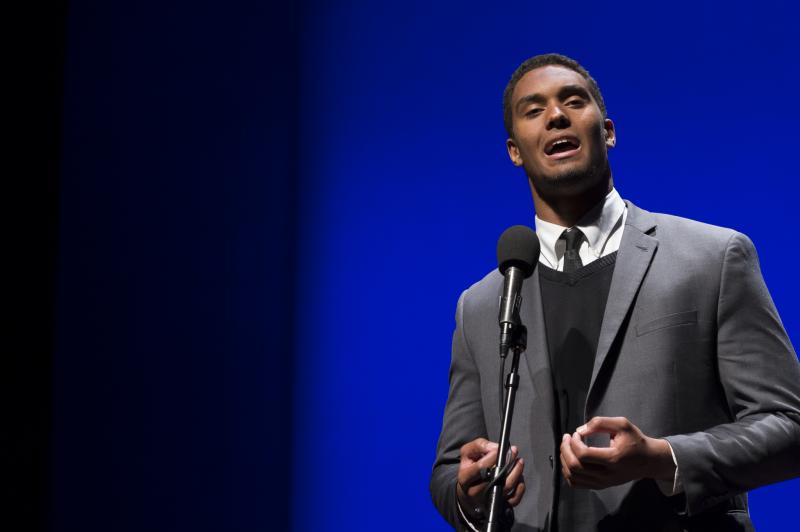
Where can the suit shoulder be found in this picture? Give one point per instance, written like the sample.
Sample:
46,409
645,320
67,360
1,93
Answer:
691,243
485,290
686,227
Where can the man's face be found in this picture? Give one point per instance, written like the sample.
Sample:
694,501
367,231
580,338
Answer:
560,136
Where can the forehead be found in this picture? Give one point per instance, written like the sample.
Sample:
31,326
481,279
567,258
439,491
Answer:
547,80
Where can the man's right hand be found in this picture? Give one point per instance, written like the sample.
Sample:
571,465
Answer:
482,454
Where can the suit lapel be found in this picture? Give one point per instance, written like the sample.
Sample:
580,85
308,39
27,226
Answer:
636,251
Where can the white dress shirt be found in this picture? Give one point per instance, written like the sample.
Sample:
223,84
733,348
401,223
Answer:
602,228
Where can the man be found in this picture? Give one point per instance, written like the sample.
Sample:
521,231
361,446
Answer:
658,385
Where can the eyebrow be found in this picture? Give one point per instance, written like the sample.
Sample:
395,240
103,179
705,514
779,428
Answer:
563,93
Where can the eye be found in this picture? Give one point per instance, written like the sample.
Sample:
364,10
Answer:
533,112
576,102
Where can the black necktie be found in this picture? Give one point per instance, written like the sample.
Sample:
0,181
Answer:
572,260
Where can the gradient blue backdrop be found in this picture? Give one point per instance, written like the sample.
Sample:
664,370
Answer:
406,186
268,212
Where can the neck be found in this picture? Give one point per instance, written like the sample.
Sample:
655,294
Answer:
567,210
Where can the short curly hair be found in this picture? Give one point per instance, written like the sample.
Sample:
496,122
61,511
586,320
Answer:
539,61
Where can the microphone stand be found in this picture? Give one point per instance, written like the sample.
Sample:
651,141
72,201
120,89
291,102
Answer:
500,516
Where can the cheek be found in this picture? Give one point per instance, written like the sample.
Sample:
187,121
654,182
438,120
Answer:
597,132
527,148
527,154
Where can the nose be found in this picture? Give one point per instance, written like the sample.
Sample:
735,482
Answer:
556,118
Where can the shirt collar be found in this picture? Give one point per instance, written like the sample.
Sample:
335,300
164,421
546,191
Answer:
596,225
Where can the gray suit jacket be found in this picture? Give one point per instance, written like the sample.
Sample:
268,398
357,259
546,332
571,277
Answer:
691,349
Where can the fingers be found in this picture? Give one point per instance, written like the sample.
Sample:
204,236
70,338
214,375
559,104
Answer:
609,425
514,486
569,462
479,456
474,456
577,472
475,449
514,477
487,461
519,491
470,476
469,473
586,455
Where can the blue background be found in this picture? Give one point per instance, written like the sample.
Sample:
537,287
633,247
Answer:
267,213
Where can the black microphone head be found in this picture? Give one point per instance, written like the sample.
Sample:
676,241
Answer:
518,246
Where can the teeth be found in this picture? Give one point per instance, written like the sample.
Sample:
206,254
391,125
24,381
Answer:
559,142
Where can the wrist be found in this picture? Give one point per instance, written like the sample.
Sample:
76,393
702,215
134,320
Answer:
662,467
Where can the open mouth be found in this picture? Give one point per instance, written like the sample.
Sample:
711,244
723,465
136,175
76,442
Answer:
562,147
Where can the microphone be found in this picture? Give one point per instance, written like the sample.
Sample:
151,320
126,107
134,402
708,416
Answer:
517,255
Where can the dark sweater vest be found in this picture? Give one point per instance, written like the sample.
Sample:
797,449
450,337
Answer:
574,304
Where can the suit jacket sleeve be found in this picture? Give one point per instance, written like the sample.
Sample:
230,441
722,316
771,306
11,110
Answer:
463,422
760,377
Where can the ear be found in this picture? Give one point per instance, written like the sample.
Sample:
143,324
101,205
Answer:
611,133
513,152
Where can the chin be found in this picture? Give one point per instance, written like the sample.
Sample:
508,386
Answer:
570,181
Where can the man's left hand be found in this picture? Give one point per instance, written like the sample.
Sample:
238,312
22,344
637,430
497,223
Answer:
631,455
